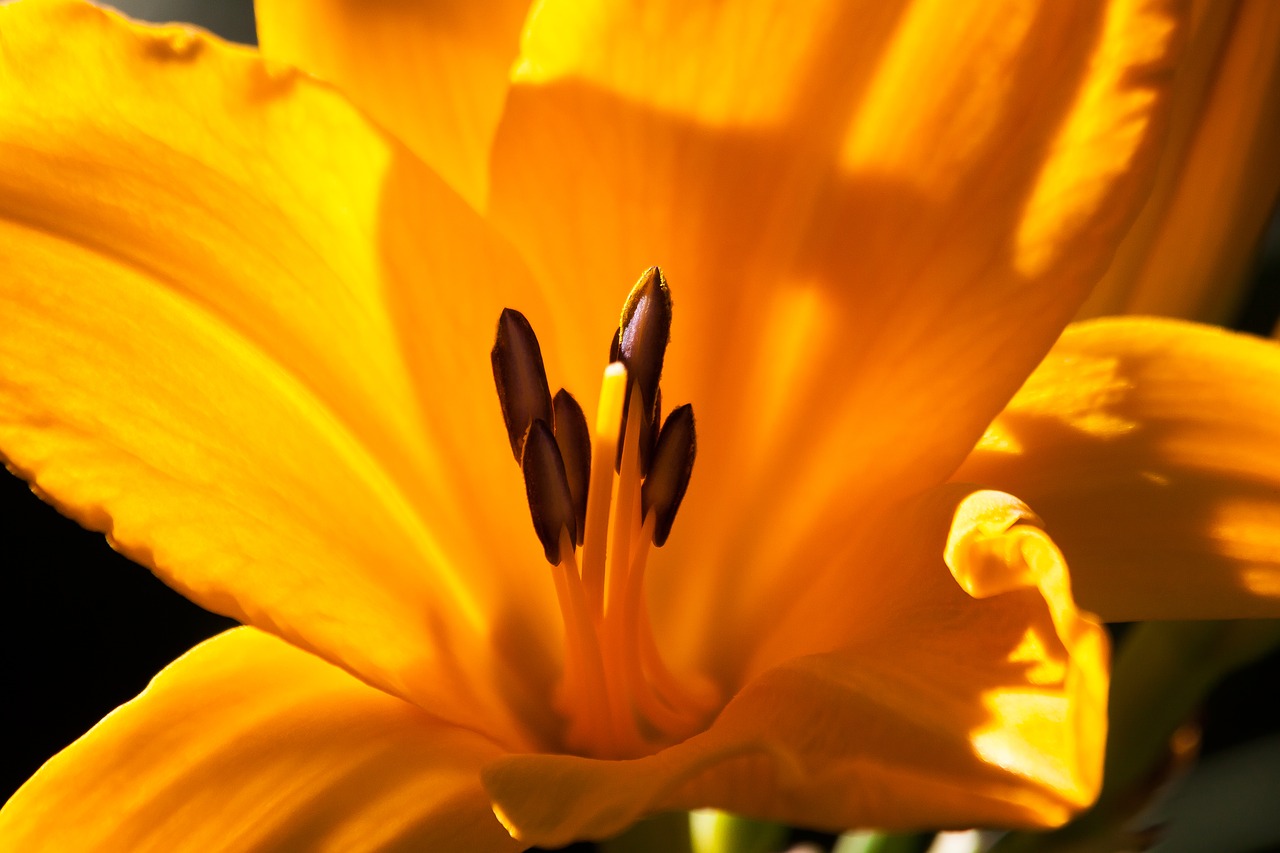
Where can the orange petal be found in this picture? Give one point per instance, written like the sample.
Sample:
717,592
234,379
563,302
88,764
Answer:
247,743
975,696
875,218
1191,252
248,337
433,73
1149,448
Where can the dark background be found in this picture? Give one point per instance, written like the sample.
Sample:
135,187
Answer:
84,629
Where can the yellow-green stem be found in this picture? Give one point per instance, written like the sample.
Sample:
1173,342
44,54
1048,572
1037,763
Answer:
663,832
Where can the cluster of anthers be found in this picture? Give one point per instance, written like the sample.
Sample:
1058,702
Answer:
618,697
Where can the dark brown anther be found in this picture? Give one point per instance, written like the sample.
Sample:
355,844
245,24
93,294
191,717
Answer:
641,344
574,440
648,432
644,331
668,478
520,377
550,502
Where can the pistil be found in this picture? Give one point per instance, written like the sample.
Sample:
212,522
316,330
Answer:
623,527
608,423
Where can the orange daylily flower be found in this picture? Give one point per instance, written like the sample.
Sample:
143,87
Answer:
248,325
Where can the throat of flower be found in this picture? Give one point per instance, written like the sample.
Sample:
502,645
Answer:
617,696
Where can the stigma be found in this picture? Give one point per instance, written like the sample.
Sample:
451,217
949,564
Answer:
601,496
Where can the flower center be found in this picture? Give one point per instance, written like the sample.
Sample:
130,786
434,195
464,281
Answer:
617,696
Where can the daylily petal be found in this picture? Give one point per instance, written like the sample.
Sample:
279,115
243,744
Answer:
978,696
434,72
874,227
1148,447
216,274
1191,251
247,743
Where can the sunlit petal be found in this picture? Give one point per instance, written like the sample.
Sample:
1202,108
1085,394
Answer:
247,336
433,72
1148,447
247,743
1191,251
874,227
974,696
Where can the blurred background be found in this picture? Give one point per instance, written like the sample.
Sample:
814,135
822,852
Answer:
86,629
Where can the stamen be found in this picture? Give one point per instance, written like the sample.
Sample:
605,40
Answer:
665,705
696,699
520,377
644,331
585,680
617,695
550,503
574,439
649,432
668,478
643,334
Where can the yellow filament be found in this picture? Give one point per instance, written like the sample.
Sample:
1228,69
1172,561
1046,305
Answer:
665,715
583,659
573,689
605,440
672,691
614,675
